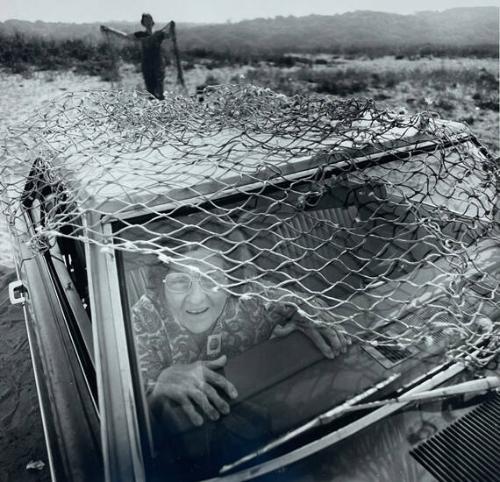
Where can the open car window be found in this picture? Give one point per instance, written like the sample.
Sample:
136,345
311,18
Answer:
354,261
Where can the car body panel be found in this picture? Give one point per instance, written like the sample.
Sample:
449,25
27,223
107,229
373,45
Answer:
71,435
122,454
200,177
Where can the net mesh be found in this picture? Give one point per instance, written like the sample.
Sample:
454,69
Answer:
352,214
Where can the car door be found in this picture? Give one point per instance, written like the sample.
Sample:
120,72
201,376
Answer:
59,325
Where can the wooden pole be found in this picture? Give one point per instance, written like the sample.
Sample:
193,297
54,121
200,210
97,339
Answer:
180,75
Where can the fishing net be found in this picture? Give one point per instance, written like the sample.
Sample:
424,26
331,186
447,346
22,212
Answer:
382,224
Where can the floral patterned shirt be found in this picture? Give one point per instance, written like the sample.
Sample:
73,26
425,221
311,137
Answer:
161,341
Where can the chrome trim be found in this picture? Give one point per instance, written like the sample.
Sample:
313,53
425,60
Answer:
30,230
195,200
119,430
36,369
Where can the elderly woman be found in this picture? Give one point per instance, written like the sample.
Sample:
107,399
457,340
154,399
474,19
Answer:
190,321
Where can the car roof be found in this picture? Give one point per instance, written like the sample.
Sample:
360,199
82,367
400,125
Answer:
134,182
121,154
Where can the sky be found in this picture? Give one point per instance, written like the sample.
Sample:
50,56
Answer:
207,11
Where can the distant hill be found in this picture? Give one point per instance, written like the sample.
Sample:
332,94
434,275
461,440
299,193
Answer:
458,27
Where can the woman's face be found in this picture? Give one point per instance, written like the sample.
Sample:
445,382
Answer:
194,300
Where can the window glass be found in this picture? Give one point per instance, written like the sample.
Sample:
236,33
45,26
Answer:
73,254
243,315
64,253
44,202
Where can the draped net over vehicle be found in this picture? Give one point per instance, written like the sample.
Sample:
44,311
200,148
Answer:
306,186
381,225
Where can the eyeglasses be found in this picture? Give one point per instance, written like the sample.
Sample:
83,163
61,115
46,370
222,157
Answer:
182,282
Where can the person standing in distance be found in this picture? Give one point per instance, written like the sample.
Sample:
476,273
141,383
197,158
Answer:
153,63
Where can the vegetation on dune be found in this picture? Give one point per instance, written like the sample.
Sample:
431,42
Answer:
473,29
21,53
459,80
454,80
459,32
461,89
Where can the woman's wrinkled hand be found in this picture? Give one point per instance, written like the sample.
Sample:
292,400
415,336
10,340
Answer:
330,341
197,388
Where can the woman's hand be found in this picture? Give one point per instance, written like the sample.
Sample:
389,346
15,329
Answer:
329,341
196,388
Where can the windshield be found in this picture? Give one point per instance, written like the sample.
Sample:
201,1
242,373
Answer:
252,317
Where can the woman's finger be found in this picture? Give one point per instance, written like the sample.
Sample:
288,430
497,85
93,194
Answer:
335,339
320,343
190,411
216,400
343,336
200,398
283,330
221,382
216,364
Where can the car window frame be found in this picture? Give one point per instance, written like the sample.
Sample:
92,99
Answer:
230,196
123,444
77,319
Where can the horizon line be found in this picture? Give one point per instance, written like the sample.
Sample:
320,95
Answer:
230,21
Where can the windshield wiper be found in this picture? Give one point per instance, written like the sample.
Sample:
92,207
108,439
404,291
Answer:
473,386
